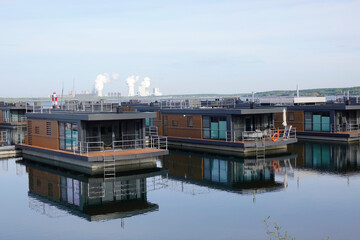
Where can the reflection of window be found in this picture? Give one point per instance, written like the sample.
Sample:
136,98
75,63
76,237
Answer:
174,123
291,116
50,190
190,122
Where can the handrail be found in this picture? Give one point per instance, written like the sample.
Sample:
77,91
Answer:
344,127
3,136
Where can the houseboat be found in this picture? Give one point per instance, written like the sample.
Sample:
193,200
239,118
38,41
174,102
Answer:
333,122
238,131
12,127
91,142
13,122
56,192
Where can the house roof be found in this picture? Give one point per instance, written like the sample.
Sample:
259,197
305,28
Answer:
90,116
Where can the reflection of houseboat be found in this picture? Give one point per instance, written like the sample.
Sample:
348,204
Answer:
245,176
91,142
337,122
326,156
228,131
90,197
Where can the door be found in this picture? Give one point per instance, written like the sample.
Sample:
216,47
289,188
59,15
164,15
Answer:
248,124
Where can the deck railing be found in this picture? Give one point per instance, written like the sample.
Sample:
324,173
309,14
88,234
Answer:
155,142
345,127
151,131
269,134
3,136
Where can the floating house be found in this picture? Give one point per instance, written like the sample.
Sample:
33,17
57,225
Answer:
12,123
229,131
91,142
335,122
56,192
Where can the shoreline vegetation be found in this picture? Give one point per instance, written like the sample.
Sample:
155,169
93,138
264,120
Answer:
275,232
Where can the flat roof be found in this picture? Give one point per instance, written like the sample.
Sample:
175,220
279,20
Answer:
90,116
216,111
324,107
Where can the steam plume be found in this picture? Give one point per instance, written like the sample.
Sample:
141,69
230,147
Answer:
102,79
130,81
144,87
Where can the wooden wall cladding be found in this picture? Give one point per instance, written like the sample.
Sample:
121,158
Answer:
44,183
1,116
297,122
178,126
43,133
158,122
180,165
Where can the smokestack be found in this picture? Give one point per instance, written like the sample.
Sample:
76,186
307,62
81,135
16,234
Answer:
297,91
130,81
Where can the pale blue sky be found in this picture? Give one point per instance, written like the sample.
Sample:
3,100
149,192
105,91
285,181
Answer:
183,46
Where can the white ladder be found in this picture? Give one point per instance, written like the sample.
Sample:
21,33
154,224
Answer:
109,166
260,149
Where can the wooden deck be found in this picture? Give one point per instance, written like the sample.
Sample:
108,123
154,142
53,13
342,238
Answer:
349,132
106,152
109,153
224,141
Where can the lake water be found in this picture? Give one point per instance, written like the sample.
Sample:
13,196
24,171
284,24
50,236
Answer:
315,193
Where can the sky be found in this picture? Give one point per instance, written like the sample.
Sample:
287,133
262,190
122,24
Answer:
184,47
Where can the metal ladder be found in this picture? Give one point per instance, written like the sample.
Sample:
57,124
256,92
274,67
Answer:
109,166
260,149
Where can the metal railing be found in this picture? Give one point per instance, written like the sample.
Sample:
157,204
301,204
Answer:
128,144
79,147
269,134
151,131
3,136
158,142
345,127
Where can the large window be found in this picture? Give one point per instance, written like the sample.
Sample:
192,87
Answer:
68,136
317,121
149,122
214,127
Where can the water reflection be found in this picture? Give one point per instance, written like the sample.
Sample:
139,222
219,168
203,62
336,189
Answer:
339,158
55,192
244,176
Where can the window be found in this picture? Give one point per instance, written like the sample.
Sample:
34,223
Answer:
190,122
48,128
174,123
37,130
291,116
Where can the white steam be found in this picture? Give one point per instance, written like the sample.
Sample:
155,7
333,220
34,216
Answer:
144,87
102,79
130,81
157,92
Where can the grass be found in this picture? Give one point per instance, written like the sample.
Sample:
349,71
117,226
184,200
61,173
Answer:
276,233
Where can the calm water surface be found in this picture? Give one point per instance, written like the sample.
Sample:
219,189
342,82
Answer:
315,193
